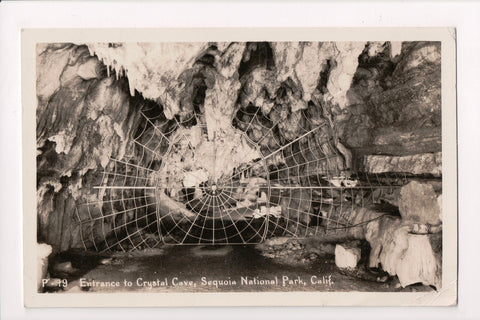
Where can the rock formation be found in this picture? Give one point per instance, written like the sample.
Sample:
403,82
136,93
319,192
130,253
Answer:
346,257
410,247
372,107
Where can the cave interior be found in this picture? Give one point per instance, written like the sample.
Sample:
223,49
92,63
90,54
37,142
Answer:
242,158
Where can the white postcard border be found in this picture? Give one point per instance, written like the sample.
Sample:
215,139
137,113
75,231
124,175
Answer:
446,296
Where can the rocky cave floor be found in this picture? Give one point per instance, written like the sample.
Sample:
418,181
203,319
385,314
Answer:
278,266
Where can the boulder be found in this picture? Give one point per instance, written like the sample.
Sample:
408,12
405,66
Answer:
346,257
418,203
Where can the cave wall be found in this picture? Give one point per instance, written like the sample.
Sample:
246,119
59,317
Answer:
84,118
395,102
377,100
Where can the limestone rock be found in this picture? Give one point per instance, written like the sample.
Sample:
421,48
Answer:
303,62
153,69
414,100
221,98
395,97
83,119
396,48
418,203
402,253
43,251
51,61
259,89
426,163
346,257
341,76
417,54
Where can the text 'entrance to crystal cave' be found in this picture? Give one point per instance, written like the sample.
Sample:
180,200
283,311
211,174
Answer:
197,181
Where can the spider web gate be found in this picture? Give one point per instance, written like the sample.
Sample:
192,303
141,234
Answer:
175,186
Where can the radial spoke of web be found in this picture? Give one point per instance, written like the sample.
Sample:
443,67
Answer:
188,203
233,222
278,225
230,206
115,218
116,213
223,224
147,148
195,220
302,152
177,224
292,142
205,220
267,134
250,166
226,210
224,198
155,127
228,197
253,119
213,219
144,240
134,221
133,165
130,235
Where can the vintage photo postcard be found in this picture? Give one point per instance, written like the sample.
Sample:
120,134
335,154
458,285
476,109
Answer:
239,167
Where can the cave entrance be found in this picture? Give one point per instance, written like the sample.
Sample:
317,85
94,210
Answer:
177,185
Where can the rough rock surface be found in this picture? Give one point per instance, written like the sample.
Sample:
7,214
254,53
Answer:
399,251
295,252
339,58
157,78
363,95
346,257
418,203
395,97
418,164
402,253
43,251
83,119
221,98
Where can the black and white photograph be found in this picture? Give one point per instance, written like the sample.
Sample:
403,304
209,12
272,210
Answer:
252,166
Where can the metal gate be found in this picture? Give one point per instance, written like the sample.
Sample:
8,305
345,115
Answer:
176,186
